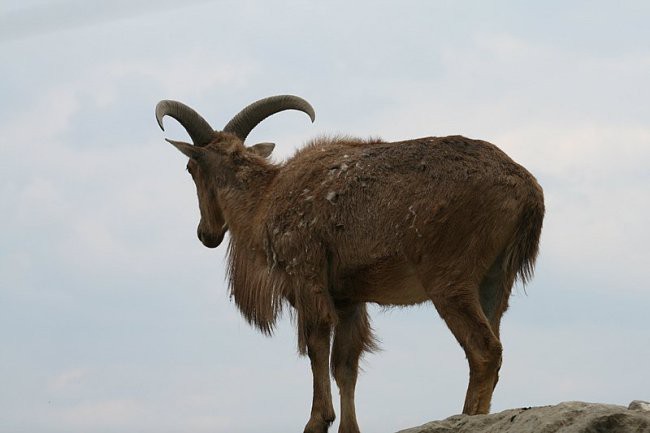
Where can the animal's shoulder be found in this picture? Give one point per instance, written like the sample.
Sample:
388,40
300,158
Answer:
332,146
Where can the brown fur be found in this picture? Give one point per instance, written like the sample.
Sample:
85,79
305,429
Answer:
346,221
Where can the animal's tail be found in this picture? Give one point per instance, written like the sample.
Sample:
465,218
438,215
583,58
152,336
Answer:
522,252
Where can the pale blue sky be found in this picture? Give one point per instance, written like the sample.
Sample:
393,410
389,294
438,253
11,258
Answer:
113,316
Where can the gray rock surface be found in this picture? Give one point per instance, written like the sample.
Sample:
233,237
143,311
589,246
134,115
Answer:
568,417
639,405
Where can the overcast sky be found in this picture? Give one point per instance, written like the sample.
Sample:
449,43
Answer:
114,317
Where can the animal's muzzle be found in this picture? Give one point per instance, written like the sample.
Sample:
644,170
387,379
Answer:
211,240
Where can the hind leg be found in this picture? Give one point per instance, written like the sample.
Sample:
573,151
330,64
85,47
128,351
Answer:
494,292
460,308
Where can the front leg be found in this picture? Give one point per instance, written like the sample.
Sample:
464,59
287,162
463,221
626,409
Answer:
352,337
317,336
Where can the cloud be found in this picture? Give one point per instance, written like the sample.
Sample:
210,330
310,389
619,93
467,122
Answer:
89,173
490,83
582,370
189,74
34,127
109,415
595,179
61,15
67,379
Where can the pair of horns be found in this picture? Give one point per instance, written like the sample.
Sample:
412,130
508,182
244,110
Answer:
241,125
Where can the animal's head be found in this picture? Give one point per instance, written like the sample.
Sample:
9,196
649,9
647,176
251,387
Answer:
210,148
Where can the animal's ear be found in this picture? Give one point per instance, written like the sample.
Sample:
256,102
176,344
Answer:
187,149
262,149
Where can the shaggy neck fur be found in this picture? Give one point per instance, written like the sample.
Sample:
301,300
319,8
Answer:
258,292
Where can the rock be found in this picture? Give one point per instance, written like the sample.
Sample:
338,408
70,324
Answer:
639,405
568,417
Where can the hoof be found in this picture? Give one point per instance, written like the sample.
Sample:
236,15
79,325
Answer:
316,425
349,429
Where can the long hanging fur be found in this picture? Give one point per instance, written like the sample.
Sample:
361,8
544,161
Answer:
259,292
523,252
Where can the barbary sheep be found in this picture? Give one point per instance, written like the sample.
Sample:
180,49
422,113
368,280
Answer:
345,221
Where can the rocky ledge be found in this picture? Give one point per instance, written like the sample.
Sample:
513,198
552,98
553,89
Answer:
568,417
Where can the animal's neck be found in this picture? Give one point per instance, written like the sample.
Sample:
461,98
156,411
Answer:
241,199
257,292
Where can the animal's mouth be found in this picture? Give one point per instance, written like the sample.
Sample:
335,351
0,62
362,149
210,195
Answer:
213,240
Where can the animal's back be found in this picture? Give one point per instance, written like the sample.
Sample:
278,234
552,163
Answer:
449,202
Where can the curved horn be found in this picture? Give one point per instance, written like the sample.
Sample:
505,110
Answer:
196,126
248,118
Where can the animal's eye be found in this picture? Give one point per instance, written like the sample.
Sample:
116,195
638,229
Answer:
191,168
